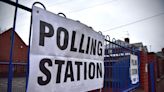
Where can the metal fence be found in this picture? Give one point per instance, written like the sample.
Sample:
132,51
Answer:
152,77
116,63
13,74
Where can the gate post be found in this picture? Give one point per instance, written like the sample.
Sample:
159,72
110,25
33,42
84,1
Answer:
10,70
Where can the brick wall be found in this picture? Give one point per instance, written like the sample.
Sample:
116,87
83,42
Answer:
143,73
19,52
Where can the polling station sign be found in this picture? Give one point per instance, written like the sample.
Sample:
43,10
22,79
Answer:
134,75
65,55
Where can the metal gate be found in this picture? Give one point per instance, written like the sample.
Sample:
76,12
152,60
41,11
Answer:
14,73
117,65
152,79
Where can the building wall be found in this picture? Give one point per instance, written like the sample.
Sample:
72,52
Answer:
145,81
143,71
19,52
160,68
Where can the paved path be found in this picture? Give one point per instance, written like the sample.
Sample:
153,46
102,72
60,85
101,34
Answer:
18,84
160,87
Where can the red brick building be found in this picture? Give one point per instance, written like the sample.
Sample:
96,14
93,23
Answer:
19,53
145,59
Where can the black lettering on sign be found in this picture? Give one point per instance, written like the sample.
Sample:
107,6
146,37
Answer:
81,44
43,33
67,74
99,70
93,47
88,44
60,63
99,49
91,70
66,38
73,41
78,69
85,70
45,71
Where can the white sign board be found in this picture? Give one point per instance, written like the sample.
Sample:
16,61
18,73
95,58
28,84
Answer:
134,69
65,55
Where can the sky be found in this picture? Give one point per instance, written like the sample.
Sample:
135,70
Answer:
140,20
